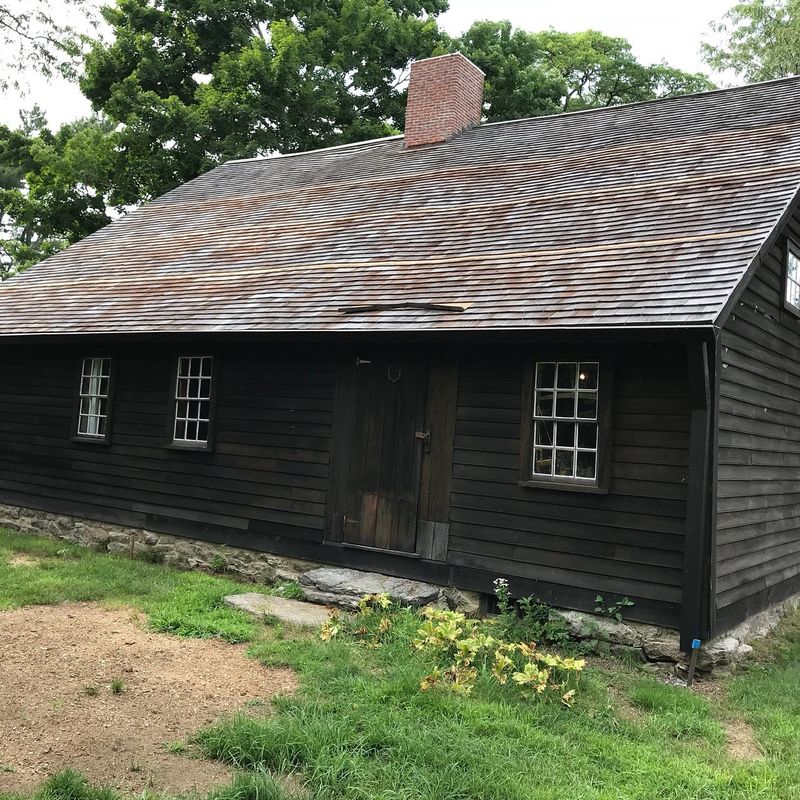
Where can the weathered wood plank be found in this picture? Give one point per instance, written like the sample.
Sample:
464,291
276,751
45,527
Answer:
758,505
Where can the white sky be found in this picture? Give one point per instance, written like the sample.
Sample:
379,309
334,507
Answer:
657,31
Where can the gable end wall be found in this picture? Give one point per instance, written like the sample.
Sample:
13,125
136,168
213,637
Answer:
758,458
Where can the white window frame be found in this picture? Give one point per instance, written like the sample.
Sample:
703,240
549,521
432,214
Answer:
192,401
550,417
94,394
791,284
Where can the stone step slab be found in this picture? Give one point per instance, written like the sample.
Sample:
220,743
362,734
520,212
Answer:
292,612
345,587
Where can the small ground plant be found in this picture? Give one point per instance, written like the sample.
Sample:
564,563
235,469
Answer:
370,626
463,651
528,619
613,611
289,589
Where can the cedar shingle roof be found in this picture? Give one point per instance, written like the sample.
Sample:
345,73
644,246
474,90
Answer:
647,214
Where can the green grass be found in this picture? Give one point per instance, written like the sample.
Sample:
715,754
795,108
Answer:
360,729
183,603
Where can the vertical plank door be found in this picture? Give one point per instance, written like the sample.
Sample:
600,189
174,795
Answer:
381,458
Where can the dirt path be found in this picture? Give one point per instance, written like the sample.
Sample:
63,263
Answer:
54,658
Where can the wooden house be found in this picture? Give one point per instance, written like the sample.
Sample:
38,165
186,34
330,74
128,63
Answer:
563,350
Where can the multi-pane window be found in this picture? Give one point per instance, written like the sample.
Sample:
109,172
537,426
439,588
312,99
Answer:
792,278
193,400
565,420
94,394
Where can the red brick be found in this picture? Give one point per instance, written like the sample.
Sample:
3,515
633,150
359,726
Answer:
445,95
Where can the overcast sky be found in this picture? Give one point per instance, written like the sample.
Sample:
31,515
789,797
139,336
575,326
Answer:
657,31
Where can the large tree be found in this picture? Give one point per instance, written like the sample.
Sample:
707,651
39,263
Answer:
760,40
201,81
550,71
519,82
55,188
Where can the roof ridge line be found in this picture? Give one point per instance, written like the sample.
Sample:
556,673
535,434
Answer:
670,98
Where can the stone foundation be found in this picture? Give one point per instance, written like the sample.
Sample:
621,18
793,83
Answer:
249,565
648,642
655,644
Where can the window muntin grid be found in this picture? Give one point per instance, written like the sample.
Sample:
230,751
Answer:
565,420
792,288
193,399
94,394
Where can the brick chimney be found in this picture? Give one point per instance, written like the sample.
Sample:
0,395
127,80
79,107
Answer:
445,95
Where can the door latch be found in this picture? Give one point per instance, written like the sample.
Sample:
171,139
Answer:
425,437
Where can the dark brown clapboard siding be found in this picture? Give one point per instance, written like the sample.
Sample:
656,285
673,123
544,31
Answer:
758,506
268,470
574,545
265,484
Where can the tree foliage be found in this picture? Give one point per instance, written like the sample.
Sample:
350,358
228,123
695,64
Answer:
518,81
550,71
32,37
55,188
202,81
761,40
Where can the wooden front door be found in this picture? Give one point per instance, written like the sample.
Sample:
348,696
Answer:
381,441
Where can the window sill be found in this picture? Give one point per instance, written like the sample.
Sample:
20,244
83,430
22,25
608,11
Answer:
90,439
563,486
192,448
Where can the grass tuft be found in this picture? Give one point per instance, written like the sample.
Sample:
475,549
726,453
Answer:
258,785
71,785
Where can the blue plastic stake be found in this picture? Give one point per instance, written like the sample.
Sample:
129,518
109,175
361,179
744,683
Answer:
693,661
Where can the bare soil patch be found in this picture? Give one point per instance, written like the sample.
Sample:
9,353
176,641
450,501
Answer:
22,560
51,655
741,741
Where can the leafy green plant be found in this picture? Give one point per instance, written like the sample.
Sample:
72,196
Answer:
175,747
90,691
613,611
117,686
502,592
370,626
462,651
529,619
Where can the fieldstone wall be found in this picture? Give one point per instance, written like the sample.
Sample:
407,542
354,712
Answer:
651,643
176,551
655,644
